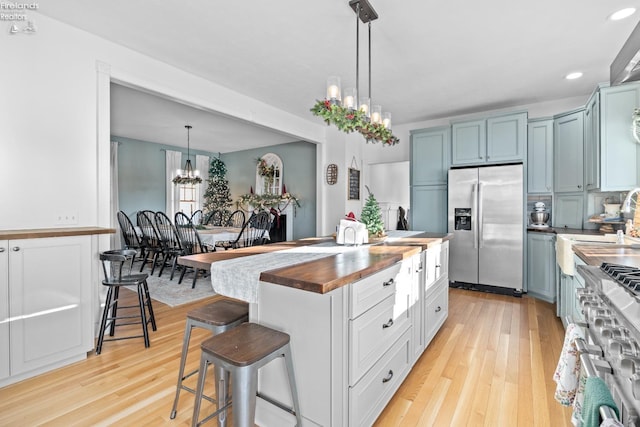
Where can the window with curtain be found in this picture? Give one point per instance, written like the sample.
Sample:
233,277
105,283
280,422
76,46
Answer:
172,165
202,166
189,201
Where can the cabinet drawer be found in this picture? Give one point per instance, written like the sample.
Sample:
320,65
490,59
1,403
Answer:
437,309
371,395
372,333
369,291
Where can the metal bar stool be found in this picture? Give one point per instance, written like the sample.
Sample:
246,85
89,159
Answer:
217,317
113,264
242,351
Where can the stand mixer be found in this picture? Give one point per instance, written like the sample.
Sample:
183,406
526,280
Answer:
539,216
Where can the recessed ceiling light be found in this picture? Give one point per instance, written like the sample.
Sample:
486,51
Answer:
622,13
573,76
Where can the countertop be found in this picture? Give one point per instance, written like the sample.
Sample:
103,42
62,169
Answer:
563,230
617,254
331,272
39,233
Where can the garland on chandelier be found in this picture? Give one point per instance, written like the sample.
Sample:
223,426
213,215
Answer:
348,120
191,180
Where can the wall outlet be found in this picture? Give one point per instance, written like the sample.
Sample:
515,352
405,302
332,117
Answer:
66,218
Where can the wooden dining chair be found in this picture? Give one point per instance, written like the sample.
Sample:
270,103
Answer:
251,234
214,218
191,242
132,240
197,217
151,238
172,246
236,219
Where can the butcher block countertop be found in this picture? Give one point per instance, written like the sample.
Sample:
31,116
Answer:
39,233
328,273
617,254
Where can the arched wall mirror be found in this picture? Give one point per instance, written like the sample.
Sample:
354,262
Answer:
269,174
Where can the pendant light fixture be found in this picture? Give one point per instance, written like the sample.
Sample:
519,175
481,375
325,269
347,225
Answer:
350,110
188,175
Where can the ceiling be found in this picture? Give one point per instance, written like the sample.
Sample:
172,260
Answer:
429,59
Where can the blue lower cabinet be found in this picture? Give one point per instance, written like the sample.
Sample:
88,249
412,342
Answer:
541,261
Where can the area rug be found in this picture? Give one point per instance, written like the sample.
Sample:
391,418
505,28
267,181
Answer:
173,294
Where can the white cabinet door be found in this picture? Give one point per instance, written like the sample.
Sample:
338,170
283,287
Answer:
436,309
49,301
4,309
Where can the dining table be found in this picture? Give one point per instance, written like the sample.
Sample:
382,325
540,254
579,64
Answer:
210,234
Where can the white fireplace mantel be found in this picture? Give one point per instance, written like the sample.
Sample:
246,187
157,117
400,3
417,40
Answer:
284,209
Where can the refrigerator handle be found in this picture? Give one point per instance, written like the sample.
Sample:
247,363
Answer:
480,219
474,196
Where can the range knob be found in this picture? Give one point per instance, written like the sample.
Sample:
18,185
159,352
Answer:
601,322
635,385
619,332
587,297
629,365
622,347
590,307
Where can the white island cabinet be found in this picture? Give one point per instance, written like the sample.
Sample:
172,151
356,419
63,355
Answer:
353,346
46,310
4,310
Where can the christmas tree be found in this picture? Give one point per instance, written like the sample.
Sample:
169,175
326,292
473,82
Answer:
371,216
217,197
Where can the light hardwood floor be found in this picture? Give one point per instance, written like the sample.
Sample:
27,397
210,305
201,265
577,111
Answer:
491,364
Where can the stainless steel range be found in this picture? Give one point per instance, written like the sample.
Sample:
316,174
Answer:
610,303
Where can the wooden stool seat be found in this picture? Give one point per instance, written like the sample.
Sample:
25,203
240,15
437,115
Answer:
245,345
239,353
220,313
217,317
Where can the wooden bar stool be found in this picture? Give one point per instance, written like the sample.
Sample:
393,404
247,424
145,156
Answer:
217,317
116,265
242,351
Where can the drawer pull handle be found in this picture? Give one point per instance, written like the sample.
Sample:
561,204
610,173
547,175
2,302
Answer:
388,377
388,324
388,282
438,309
1,250
15,248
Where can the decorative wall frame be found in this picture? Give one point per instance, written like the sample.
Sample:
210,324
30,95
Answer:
272,182
332,174
354,184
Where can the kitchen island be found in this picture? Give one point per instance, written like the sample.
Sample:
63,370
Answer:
359,317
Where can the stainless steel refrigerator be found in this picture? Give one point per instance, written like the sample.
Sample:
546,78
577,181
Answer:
486,216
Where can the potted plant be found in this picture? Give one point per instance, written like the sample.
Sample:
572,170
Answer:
372,218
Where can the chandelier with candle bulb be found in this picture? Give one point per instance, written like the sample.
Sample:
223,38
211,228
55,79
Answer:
349,112
187,175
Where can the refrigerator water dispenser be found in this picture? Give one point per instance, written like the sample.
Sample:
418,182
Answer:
462,218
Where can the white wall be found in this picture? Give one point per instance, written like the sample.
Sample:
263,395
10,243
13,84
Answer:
53,126
389,182
49,146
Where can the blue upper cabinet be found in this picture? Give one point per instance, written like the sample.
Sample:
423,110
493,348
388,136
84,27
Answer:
497,139
469,142
540,156
507,138
592,142
618,149
430,150
568,147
